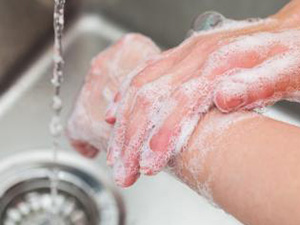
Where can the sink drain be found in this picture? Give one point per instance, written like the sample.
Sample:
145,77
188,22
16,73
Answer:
30,202
84,196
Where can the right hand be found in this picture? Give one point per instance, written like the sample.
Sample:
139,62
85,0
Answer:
274,79
160,106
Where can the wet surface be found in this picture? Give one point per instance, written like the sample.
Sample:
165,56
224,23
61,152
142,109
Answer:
25,113
24,118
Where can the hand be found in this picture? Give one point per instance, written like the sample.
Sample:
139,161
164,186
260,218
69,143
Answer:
86,128
160,104
275,79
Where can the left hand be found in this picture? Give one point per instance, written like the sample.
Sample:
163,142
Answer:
87,130
159,109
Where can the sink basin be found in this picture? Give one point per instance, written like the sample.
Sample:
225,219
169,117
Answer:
25,114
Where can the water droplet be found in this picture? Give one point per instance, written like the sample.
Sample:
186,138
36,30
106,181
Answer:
208,21
55,127
57,103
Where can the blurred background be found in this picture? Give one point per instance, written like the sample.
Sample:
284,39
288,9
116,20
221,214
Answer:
26,34
26,24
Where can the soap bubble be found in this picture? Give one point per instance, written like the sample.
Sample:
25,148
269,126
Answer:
208,20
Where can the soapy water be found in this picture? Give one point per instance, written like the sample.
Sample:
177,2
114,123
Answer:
55,126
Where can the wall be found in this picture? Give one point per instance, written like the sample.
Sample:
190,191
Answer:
168,20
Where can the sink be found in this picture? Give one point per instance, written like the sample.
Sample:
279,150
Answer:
25,114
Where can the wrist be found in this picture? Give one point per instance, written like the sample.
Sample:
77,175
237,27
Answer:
200,162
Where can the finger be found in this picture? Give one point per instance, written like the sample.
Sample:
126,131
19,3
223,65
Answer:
129,158
110,115
85,149
132,109
153,69
126,165
241,53
188,68
146,73
170,135
85,126
117,137
275,79
186,61
136,130
137,49
125,176
126,155
111,112
161,146
150,96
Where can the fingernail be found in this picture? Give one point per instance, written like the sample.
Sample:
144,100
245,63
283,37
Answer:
235,103
123,177
110,114
110,120
228,103
85,149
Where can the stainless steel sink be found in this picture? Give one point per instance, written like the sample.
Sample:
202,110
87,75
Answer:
25,114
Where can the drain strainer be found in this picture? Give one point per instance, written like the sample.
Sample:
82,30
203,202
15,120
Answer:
84,196
37,208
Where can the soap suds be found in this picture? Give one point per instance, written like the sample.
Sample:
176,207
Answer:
189,165
108,69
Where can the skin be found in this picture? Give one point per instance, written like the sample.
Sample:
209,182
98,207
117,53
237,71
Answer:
287,18
141,143
252,167
248,177
212,158
86,128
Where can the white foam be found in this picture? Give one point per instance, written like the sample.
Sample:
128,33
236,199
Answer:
259,43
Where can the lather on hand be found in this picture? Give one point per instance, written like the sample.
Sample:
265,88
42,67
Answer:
164,95
87,130
239,65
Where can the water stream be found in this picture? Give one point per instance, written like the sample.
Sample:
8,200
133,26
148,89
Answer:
56,127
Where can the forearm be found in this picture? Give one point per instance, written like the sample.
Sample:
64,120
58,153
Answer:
249,167
289,16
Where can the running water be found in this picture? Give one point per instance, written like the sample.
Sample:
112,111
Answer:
56,126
